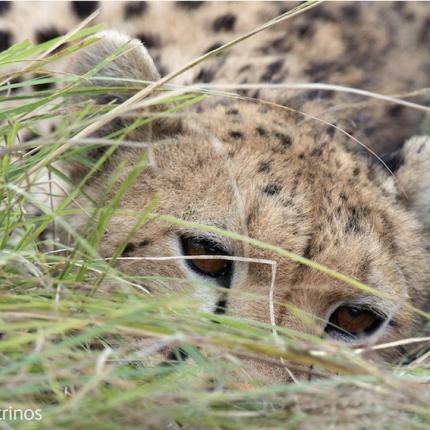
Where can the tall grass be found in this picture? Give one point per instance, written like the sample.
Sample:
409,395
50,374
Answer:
93,360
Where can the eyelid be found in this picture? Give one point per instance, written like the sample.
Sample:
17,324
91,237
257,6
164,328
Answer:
371,303
210,241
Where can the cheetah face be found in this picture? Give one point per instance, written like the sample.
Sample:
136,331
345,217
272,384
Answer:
263,173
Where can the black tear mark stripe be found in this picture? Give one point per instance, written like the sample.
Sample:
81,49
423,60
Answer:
134,9
221,307
84,8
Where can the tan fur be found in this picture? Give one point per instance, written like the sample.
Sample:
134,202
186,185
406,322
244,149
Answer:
280,177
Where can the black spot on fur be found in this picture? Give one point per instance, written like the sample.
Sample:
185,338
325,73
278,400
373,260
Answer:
351,12
356,171
320,13
284,139
316,152
129,248
236,134
134,8
4,7
189,5
214,46
353,223
5,40
319,94
320,70
264,167
343,196
232,111
305,30
261,131
244,68
144,242
395,110
84,8
205,75
47,34
224,22
330,130
279,45
272,189
149,40
271,69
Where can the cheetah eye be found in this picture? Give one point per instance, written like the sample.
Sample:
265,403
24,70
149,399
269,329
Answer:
218,269
349,322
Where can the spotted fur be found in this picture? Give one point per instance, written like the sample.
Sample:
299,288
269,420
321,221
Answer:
267,171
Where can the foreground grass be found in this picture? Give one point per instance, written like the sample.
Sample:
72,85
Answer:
91,360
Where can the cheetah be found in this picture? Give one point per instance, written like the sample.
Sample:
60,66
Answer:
281,166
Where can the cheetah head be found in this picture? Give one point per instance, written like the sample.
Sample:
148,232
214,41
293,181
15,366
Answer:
266,173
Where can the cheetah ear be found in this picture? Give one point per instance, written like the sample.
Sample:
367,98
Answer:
133,62
413,175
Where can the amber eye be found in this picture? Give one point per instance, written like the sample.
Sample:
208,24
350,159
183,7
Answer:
217,268
353,322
